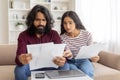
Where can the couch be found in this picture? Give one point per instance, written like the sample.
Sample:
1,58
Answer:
108,67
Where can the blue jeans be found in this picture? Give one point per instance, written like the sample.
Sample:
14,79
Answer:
83,64
23,72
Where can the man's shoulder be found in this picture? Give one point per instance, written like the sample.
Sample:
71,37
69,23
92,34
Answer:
53,32
24,32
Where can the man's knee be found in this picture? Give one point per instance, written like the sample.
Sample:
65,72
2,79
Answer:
19,70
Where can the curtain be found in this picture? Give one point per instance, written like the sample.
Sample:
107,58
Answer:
102,19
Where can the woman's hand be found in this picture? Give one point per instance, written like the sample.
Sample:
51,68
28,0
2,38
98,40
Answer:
25,58
67,54
95,59
60,61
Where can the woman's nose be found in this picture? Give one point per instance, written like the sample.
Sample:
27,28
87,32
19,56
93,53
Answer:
68,26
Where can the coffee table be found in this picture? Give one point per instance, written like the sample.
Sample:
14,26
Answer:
46,78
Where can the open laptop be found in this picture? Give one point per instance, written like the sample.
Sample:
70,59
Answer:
52,74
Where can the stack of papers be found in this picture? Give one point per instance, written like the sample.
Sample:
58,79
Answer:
89,51
43,54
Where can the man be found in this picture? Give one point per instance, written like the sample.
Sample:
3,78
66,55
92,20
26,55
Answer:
39,22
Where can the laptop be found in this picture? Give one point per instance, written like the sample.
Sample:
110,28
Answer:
53,74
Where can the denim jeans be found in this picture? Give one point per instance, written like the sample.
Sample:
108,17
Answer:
83,64
23,72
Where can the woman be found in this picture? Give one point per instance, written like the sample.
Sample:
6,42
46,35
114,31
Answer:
73,34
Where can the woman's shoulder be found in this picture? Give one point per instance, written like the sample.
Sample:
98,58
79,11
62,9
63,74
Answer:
63,36
85,32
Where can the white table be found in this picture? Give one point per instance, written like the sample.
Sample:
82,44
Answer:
71,78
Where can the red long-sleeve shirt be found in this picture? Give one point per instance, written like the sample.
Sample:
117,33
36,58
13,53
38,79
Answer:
24,39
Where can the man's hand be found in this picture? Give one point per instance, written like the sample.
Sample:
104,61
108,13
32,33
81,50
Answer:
25,58
60,61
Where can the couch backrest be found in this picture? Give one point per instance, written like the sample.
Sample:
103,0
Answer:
7,54
110,59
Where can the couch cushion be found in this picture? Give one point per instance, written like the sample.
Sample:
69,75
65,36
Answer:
105,73
7,54
7,72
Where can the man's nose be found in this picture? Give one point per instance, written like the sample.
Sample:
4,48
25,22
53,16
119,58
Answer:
40,22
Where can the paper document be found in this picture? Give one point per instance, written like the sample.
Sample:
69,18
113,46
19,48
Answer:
43,54
89,51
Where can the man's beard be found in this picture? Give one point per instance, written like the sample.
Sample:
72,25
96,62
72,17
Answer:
40,29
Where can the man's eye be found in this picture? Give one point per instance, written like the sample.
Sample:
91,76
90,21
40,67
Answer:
37,19
64,23
43,19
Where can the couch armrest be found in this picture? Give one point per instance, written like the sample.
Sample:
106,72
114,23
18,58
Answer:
7,54
110,59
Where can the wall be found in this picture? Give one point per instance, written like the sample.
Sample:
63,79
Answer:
4,19
3,22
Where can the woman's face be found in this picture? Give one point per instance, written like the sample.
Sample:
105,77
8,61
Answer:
69,25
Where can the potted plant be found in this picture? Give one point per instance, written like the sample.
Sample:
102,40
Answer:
20,26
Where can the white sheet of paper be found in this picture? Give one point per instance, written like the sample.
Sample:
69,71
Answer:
58,50
89,51
42,54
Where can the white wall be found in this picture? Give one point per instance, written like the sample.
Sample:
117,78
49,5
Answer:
4,19
3,22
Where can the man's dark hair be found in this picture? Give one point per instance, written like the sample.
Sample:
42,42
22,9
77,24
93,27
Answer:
32,15
75,18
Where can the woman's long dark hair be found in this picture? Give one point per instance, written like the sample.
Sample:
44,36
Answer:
32,15
75,18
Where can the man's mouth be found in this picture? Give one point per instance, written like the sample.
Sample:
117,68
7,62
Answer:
40,27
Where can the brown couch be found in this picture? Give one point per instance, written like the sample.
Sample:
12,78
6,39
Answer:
108,68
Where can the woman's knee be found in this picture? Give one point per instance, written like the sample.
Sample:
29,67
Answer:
87,68
89,72
73,67
65,67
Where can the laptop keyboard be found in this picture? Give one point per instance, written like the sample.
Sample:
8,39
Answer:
64,73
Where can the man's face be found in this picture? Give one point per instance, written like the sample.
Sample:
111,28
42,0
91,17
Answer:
40,23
